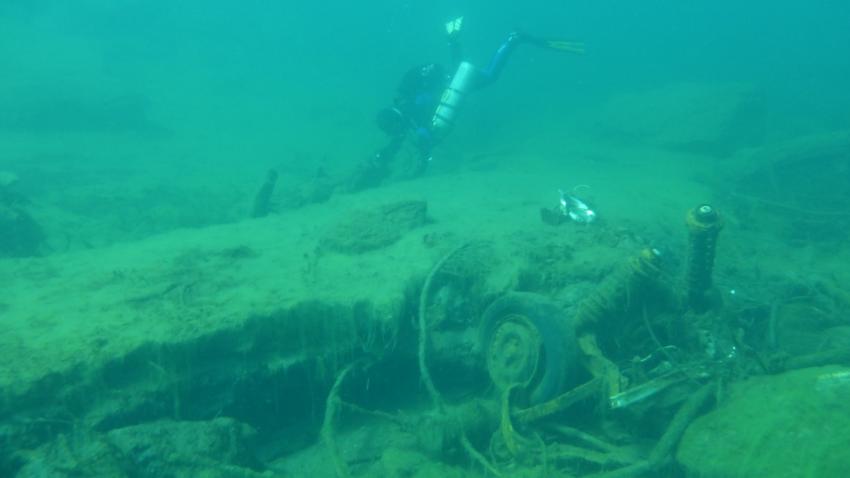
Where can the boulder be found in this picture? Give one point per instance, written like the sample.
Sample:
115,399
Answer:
792,425
694,117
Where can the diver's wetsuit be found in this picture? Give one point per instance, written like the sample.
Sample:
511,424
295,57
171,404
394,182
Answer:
419,94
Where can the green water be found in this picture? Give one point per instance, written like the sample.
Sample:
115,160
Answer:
149,288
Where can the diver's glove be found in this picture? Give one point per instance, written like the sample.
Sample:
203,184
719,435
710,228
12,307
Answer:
453,28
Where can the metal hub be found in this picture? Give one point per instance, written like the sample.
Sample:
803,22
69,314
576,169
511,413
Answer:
513,353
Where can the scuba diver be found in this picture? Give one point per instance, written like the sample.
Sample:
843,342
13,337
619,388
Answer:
427,100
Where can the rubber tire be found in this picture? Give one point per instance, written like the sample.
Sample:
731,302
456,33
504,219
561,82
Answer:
560,348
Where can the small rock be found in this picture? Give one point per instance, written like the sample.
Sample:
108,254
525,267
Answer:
375,228
162,448
80,453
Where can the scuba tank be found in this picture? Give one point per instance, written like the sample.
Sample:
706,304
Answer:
453,97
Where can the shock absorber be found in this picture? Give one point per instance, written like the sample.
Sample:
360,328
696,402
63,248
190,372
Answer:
704,224
622,290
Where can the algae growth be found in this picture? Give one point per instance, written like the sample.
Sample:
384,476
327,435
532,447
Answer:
214,263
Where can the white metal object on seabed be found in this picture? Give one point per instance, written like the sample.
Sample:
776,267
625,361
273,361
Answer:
576,209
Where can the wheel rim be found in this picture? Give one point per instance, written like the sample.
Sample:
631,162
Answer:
513,352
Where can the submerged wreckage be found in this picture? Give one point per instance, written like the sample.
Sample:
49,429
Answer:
386,343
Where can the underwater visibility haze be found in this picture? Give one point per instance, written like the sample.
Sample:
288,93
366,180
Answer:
417,239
